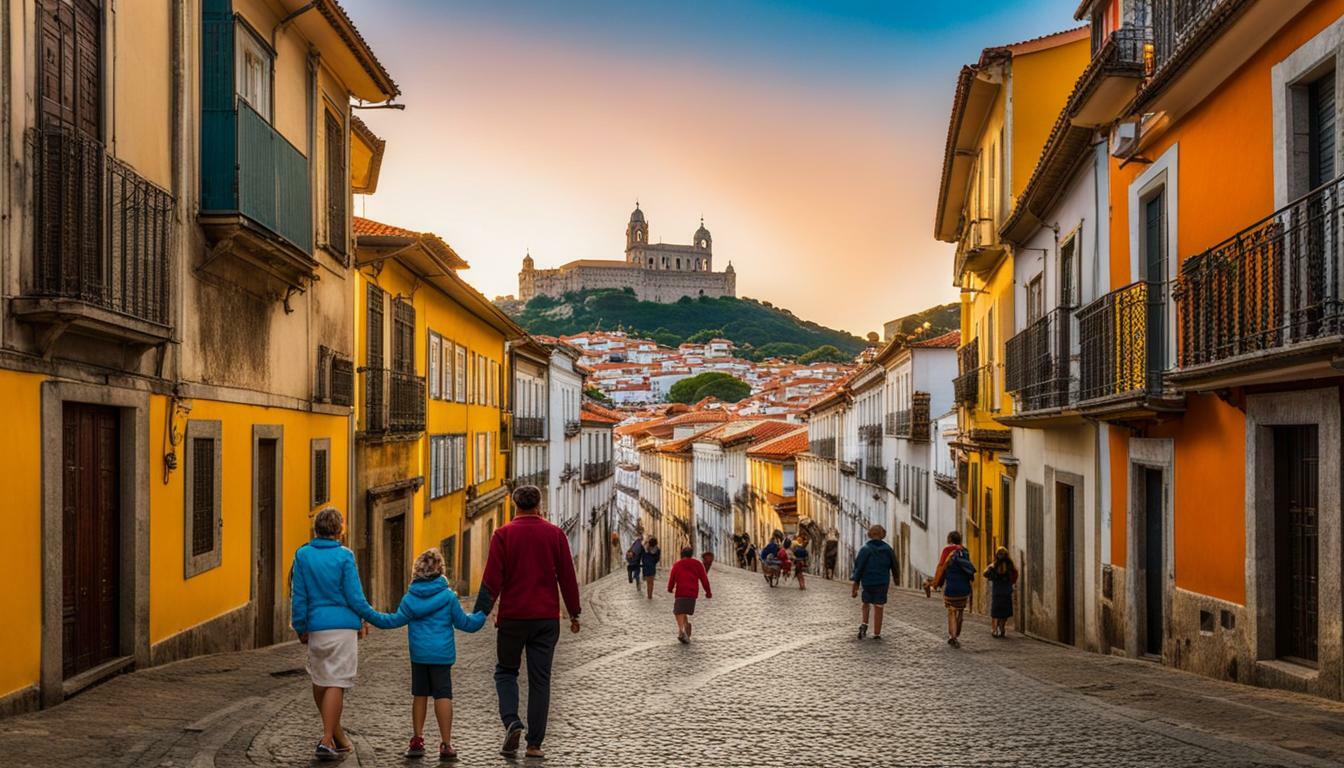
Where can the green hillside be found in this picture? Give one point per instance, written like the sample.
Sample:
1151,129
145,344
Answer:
941,319
758,328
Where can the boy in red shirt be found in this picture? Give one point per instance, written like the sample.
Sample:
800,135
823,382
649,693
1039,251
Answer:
684,582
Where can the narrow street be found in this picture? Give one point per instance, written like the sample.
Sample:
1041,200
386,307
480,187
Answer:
775,671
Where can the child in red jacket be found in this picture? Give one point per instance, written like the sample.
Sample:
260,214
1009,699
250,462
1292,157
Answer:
684,582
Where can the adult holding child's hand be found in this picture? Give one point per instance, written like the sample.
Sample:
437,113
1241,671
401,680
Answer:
329,612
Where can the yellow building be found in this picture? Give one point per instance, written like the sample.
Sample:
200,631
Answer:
772,470
678,467
431,393
176,352
1003,111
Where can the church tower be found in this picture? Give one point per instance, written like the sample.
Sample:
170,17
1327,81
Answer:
636,234
704,244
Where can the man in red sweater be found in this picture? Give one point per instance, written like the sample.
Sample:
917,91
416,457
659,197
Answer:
684,582
528,558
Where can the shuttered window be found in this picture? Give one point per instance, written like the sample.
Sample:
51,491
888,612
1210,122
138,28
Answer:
202,466
1321,124
403,337
435,358
374,331
336,193
1035,536
70,63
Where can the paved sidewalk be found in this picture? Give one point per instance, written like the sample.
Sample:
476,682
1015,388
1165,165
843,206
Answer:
773,675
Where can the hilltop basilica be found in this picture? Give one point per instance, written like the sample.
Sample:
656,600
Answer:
655,271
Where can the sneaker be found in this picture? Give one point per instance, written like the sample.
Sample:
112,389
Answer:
447,754
877,637
863,631
416,749
327,754
512,736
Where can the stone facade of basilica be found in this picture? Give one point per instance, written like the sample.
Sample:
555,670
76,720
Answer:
654,271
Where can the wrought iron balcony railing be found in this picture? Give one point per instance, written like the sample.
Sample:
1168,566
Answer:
102,232
1269,288
597,470
1176,22
572,428
394,402
540,478
653,475
870,433
1039,367
1123,343
529,428
875,475
822,448
714,494
849,467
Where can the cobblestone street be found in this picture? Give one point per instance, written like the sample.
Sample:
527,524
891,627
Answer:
769,671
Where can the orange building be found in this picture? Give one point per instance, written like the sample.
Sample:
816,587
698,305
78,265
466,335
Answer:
1213,358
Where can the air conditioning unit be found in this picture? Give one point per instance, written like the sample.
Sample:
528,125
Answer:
1125,139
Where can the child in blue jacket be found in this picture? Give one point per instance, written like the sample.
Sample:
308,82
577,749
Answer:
432,610
874,570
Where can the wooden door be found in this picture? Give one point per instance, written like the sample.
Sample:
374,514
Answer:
91,537
1296,537
1064,555
266,555
395,576
70,64
1154,561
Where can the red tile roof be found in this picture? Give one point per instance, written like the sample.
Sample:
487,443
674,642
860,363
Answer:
699,417
363,227
949,340
596,414
794,442
765,431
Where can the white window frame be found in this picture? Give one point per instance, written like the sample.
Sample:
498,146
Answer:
248,43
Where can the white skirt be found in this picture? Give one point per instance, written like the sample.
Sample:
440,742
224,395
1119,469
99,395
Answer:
333,657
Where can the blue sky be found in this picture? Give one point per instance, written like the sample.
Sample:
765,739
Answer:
809,134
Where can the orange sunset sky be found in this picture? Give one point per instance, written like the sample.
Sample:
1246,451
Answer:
808,134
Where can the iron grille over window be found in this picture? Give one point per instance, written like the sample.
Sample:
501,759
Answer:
342,383
321,478
202,495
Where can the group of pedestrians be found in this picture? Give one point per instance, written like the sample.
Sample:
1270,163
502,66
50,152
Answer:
528,571
875,569
684,579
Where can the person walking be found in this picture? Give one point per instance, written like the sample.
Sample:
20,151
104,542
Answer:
649,563
955,576
801,559
830,556
1002,575
874,570
529,557
433,611
684,581
749,554
632,561
328,611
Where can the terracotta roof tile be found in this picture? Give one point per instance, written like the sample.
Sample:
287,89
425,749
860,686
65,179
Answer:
949,340
794,442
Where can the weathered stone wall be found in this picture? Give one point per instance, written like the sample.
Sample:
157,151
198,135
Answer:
649,285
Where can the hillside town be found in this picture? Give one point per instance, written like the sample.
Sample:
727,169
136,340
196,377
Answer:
203,348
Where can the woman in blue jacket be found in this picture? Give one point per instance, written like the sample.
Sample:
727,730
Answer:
648,560
328,610
955,576
432,610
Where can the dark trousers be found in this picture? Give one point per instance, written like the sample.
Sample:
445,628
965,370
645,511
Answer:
632,572
538,637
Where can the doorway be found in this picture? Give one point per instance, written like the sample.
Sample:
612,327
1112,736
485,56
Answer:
1296,539
267,561
464,578
91,537
1154,562
1064,562
394,547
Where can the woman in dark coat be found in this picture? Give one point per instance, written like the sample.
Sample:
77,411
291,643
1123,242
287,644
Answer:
1002,575
649,560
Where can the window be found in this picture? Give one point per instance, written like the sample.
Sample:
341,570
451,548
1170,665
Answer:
1069,278
485,457
202,486
449,549
1035,299
445,369
789,483
494,382
472,388
336,192
459,373
403,336
435,370
896,479
254,71
320,472
447,454
374,342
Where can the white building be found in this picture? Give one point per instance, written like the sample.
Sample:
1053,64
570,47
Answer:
566,388
597,490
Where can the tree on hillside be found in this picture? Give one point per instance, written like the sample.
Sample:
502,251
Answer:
700,337
720,385
826,353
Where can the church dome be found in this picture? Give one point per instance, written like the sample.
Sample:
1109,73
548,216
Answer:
701,237
527,262
730,267
637,216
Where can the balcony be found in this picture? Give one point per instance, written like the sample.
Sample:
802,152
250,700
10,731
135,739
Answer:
102,245
394,403
966,386
1177,22
1039,368
529,428
875,475
256,197
572,428
823,448
540,478
1123,343
712,494
1113,78
1265,305
650,507
979,250
597,470
849,467
870,433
